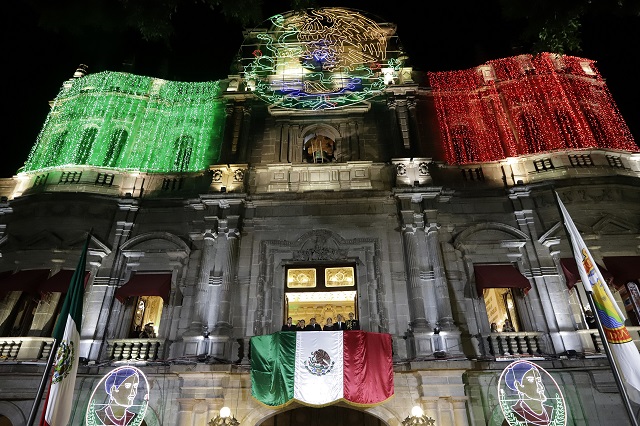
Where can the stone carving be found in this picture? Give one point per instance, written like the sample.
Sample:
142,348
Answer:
319,251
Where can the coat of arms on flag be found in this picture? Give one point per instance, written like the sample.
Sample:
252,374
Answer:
322,367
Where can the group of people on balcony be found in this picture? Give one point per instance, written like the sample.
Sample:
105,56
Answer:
340,324
506,328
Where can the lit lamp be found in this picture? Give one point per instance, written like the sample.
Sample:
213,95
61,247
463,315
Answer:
417,417
224,418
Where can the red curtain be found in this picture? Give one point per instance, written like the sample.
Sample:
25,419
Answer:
572,276
28,280
499,276
623,268
153,284
60,281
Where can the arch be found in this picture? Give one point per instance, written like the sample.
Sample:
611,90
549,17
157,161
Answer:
171,238
183,148
114,150
86,144
319,129
465,235
13,413
262,414
52,153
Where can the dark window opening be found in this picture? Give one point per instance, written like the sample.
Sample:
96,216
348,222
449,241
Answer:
319,149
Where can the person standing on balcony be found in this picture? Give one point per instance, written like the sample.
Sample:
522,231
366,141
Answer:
352,323
339,324
289,325
329,325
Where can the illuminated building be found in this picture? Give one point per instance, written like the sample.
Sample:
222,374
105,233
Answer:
326,177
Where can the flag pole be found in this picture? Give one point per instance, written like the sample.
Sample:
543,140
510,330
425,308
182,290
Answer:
43,382
614,368
59,332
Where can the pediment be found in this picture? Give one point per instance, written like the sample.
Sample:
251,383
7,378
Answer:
613,225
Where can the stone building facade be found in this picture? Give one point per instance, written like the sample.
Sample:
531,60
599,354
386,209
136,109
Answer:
443,234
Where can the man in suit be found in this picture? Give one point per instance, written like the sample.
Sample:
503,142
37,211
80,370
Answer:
329,325
289,325
339,324
313,326
352,323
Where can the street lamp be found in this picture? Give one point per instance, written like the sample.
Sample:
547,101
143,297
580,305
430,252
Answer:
224,418
417,417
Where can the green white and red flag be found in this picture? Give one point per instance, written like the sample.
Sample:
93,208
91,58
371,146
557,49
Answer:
57,409
321,367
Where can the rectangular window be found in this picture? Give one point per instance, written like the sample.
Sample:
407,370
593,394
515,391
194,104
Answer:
70,177
615,161
104,179
40,179
301,278
169,184
339,277
473,174
543,165
582,160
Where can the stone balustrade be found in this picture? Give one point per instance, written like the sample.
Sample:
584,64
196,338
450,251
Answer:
25,348
517,343
135,349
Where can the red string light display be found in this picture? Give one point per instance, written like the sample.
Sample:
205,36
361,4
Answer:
524,105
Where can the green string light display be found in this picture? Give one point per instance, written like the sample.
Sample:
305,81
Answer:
129,122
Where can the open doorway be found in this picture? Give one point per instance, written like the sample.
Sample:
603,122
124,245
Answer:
501,307
321,291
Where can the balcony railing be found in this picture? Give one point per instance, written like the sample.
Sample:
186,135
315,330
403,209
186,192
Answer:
135,349
25,348
514,344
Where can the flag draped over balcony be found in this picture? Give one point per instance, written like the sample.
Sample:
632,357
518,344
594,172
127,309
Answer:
321,367
623,350
57,409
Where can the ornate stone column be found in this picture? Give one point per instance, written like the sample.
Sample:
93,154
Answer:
227,261
443,301
201,296
416,298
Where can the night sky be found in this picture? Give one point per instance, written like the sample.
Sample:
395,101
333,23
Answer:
437,37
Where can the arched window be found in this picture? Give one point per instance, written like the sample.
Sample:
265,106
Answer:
461,144
596,127
55,149
183,148
116,143
318,149
534,143
4,421
565,128
86,143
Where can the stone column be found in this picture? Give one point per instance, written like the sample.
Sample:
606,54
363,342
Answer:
245,132
201,296
443,302
459,411
185,411
416,299
227,261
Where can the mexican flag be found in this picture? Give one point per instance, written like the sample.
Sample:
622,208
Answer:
57,409
321,367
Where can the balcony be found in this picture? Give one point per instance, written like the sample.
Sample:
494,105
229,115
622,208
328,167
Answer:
135,349
507,344
25,348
